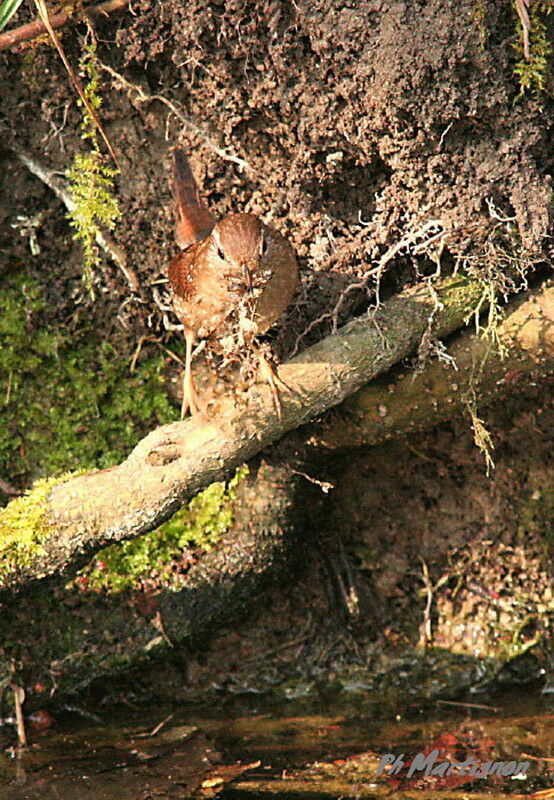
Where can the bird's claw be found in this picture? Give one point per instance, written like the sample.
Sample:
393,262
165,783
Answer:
269,375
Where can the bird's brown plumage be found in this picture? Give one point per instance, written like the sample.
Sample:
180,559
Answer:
208,288
236,273
193,221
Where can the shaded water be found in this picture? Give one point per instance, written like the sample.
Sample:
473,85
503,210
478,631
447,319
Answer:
248,747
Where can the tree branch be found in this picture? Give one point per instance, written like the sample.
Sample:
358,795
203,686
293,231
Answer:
407,401
67,638
174,462
32,30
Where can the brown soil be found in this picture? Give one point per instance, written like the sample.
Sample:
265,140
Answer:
424,503
358,122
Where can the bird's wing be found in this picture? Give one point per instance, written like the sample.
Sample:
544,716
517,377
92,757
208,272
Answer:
182,272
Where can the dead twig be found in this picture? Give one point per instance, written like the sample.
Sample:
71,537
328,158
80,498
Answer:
523,14
58,186
157,622
425,633
156,729
479,706
19,699
32,30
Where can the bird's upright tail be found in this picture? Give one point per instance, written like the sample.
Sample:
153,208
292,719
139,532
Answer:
193,221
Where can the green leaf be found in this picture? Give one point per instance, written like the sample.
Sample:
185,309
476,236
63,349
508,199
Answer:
7,10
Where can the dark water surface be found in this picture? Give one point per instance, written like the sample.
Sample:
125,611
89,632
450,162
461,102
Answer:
248,747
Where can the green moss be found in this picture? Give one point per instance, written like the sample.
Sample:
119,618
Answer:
24,527
95,207
30,71
532,72
158,556
91,181
67,403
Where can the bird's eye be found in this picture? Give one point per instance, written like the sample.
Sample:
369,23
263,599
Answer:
221,254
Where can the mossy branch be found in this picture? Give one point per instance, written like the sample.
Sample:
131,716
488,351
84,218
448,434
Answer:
25,527
201,524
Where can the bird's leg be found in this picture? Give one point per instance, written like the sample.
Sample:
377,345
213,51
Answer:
191,402
269,375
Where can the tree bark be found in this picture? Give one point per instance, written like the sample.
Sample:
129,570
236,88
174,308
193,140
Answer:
174,462
406,400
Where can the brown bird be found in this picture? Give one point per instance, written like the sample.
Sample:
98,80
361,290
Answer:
234,278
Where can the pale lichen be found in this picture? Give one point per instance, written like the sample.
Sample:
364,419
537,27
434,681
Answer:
481,436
